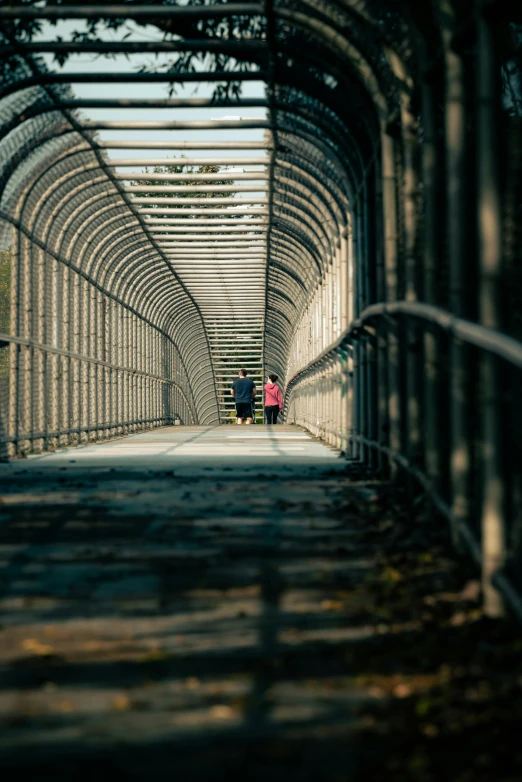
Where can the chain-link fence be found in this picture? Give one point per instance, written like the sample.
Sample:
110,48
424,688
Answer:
384,277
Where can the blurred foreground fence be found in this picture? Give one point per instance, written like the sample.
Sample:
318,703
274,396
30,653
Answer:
355,396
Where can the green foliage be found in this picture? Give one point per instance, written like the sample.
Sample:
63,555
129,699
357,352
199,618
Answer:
95,29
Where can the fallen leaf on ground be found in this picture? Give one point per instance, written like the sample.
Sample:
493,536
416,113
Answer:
471,591
222,712
63,706
36,647
121,703
331,605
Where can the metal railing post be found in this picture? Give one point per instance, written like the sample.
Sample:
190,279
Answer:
490,314
391,287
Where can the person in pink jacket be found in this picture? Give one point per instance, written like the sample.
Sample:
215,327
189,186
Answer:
273,400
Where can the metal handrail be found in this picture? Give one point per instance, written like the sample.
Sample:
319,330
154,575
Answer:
501,345
491,341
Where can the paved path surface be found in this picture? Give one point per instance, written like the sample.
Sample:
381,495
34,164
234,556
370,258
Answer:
193,603
196,450
168,587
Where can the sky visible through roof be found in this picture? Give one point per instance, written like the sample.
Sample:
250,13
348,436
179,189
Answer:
124,64
216,281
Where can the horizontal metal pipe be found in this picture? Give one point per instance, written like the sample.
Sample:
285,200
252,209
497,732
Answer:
162,103
231,288
209,244
210,239
236,308
194,201
234,341
232,296
198,240
136,47
83,358
170,221
491,341
196,161
202,251
221,266
217,283
230,254
196,188
257,211
169,234
221,124
200,255
130,11
203,145
199,243
220,284
225,324
188,178
235,305
207,229
113,77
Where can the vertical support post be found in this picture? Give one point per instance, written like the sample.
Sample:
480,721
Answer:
38,312
456,196
347,317
359,351
410,148
53,361
490,269
430,167
391,287
382,423
75,325
14,355
64,330
345,292
368,343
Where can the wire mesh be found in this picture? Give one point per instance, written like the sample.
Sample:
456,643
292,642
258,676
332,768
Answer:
390,177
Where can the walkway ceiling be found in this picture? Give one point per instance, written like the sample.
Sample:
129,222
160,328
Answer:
222,262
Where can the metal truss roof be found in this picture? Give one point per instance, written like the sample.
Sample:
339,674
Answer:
221,277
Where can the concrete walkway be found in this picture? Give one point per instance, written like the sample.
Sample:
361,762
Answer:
197,448
171,591
196,603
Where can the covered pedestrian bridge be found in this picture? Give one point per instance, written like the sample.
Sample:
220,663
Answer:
326,190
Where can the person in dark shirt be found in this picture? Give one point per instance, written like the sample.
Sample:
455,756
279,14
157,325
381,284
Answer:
243,390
